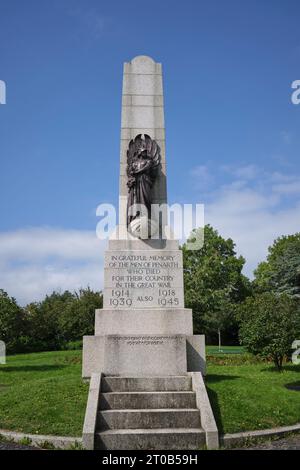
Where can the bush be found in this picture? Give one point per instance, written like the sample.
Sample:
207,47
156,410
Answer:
72,345
269,324
57,322
13,324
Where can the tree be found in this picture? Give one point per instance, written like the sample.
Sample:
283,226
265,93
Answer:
214,283
61,318
44,318
77,319
13,324
269,324
281,271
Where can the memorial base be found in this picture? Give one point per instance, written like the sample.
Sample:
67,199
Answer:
143,329
143,355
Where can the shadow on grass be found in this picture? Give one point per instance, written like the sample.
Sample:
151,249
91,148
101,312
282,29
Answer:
37,368
213,398
295,386
213,378
287,368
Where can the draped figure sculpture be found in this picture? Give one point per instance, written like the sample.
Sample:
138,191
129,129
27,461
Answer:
143,161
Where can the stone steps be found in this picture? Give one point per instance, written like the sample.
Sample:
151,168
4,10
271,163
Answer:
150,439
148,419
146,384
149,400
148,413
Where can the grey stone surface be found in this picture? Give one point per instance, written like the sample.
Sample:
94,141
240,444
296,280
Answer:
144,343
142,113
38,440
196,360
151,439
142,245
145,355
148,419
147,384
90,420
241,438
147,400
208,422
143,279
152,321
92,355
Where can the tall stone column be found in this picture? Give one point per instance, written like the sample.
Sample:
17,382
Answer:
142,113
144,328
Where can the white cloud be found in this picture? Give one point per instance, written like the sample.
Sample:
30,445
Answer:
252,222
36,261
292,187
246,172
252,209
202,176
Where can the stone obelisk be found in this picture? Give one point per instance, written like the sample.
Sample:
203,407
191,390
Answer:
142,113
143,318
144,364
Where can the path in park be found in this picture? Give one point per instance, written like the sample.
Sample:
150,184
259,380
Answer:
289,443
15,446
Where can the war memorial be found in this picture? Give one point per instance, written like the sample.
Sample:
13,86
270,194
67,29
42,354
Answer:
146,368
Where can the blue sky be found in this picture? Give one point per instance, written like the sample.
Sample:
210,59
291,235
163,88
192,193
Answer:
232,130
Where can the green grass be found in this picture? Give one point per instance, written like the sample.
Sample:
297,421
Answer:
213,350
43,393
251,396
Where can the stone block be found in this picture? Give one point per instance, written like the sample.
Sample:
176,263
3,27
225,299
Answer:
178,383
142,64
146,100
143,116
196,358
139,322
208,422
119,243
92,355
147,400
145,355
90,420
142,84
145,439
148,419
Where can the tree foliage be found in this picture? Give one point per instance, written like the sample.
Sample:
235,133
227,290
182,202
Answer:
269,324
51,324
214,283
281,271
13,324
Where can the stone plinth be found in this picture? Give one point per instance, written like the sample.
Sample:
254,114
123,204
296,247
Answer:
139,321
145,355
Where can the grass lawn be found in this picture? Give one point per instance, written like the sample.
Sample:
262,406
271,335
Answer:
213,350
248,395
43,393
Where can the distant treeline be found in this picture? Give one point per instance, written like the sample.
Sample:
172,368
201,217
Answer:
221,296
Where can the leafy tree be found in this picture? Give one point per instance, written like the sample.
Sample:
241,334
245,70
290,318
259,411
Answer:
214,283
281,271
77,319
62,317
269,324
13,324
44,318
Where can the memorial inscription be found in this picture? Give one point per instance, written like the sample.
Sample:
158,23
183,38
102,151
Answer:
148,280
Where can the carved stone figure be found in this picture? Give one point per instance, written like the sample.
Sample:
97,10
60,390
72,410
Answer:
143,161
